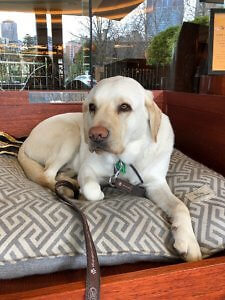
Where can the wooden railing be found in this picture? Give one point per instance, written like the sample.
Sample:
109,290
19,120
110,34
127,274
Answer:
151,77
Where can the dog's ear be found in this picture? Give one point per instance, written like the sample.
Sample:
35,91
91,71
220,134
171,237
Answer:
85,116
154,114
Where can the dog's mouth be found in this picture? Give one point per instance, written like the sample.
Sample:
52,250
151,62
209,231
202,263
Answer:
99,147
104,147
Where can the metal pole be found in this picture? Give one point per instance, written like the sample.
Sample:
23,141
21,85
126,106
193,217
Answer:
90,41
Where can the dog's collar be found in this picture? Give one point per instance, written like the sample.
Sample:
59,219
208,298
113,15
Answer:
120,167
114,181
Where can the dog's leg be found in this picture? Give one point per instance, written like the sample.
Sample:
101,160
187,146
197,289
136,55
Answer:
185,240
47,176
50,175
34,170
68,176
89,184
55,163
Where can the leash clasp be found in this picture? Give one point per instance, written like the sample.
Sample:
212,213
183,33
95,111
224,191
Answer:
118,168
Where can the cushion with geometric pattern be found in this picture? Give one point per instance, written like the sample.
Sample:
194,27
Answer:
39,234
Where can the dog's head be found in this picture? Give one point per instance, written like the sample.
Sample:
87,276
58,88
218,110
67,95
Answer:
119,110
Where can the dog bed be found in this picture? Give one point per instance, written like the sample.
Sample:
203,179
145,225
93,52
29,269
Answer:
38,234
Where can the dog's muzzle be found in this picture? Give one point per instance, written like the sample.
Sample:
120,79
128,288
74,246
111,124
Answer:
98,136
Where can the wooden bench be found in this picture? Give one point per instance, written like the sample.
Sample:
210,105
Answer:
199,125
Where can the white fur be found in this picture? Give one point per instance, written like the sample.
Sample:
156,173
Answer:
59,143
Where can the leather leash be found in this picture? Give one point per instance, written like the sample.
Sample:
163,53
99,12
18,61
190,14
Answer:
9,145
92,291
93,270
124,185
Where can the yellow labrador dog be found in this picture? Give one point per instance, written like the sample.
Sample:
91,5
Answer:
120,121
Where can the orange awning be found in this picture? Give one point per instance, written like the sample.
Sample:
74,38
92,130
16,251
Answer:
113,9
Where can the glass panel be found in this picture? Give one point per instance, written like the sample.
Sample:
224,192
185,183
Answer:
47,44
16,62
33,45
121,45
76,42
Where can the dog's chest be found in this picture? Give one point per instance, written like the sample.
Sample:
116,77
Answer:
132,175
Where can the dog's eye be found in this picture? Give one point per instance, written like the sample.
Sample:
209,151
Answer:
124,107
92,108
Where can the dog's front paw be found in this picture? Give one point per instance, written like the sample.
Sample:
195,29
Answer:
92,191
187,245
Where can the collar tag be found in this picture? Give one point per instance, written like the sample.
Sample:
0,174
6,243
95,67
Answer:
121,167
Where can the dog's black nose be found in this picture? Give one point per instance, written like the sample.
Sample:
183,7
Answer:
98,134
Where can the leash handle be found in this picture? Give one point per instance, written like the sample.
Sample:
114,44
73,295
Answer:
92,291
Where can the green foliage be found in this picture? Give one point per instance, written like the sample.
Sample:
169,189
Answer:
203,20
29,41
81,61
160,48
77,67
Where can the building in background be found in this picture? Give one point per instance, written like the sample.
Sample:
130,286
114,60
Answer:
9,31
162,14
203,7
72,47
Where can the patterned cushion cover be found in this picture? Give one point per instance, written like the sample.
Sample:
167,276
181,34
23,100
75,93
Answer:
38,234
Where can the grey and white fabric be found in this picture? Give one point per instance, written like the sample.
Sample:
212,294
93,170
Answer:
38,234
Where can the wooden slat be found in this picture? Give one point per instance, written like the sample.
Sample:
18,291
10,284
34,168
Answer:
199,125
18,120
14,98
212,84
19,117
201,280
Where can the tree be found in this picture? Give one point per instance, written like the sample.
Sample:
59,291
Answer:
29,41
189,10
77,68
116,40
201,20
160,49
103,32
137,21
